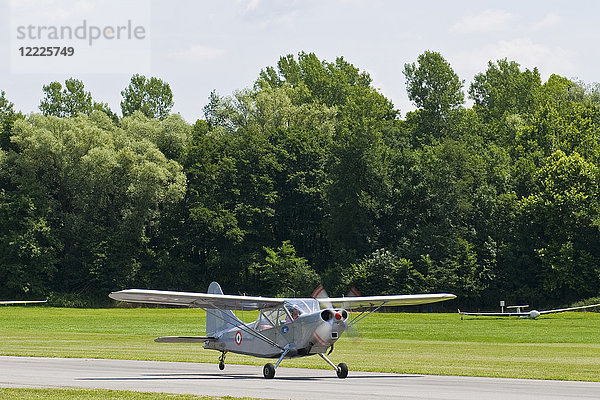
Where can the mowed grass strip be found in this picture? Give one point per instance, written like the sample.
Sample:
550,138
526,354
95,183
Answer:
96,394
559,346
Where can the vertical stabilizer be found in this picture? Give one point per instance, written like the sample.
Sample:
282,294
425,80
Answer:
219,320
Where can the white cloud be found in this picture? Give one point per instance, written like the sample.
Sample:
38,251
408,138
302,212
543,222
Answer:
487,21
550,60
250,5
547,21
197,53
269,14
67,11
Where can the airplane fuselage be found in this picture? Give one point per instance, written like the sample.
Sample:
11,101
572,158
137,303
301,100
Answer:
310,333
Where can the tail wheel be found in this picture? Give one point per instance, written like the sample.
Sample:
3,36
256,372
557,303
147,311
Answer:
269,371
342,370
222,361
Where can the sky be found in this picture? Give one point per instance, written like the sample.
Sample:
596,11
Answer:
198,46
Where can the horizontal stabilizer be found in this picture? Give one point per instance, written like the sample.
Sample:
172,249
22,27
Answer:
184,339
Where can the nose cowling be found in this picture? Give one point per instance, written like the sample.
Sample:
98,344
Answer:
333,315
332,326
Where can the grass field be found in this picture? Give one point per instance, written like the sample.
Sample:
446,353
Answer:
95,394
560,346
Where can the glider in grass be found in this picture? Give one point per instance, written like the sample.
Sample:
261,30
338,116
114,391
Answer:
519,312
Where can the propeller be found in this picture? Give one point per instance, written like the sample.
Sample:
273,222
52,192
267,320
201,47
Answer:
321,294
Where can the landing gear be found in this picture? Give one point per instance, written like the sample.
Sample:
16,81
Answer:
341,370
269,371
222,361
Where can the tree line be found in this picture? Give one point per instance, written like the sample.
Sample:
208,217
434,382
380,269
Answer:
308,176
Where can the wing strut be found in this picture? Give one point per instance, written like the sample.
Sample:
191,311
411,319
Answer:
363,314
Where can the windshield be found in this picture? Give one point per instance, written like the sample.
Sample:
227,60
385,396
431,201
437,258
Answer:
302,305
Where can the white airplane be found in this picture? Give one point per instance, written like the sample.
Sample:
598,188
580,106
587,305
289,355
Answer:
285,328
519,312
7,302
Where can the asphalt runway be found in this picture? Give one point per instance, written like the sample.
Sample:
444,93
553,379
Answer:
289,383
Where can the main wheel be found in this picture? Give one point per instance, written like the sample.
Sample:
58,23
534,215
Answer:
269,371
221,365
342,370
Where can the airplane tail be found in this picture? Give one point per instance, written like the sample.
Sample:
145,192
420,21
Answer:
219,320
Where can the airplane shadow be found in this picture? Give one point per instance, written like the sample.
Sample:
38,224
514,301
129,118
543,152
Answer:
157,377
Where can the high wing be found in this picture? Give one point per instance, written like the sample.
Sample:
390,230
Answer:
21,301
197,300
568,309
384,301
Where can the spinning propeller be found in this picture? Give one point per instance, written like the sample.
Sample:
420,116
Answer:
330,314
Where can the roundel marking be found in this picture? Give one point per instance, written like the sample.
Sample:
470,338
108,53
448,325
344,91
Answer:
285,329
238,338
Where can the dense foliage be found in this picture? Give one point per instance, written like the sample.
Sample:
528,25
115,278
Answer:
309,176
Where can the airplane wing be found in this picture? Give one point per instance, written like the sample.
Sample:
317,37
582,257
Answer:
387,301
568,309
197,300
22,301
496,314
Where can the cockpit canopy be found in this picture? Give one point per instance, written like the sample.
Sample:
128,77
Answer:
292,309
303,305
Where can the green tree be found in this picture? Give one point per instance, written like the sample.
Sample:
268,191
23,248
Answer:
67,102
257,178
98,190
170,135
503,90
105,108
301,136
434,87
27,248
71,100
356,167
283,273
563,214
383,272
153,97
8,116
218,111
